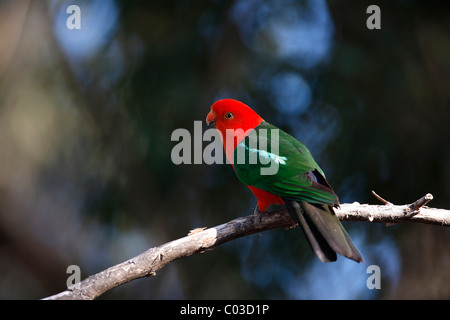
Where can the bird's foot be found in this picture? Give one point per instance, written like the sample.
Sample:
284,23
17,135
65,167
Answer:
257,211
269,209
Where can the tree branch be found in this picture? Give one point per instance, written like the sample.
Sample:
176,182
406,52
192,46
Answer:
202,239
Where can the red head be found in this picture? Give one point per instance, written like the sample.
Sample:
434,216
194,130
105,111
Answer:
229,114
232,114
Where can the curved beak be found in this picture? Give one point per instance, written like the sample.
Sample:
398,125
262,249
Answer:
211,118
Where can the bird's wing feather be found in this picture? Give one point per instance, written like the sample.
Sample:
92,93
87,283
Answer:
298,177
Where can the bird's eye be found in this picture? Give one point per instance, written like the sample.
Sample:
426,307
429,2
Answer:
229,116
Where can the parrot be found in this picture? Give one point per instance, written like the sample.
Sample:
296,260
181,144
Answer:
298,183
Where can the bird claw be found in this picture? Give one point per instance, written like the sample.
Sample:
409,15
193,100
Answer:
256,211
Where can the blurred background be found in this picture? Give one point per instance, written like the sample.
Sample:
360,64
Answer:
86,118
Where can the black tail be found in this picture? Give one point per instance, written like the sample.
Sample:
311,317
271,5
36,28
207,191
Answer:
324,231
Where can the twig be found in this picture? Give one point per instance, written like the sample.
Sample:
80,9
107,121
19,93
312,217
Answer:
380,198
392,214
415,206
198,241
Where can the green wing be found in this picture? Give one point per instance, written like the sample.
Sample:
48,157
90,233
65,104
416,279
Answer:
288,171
